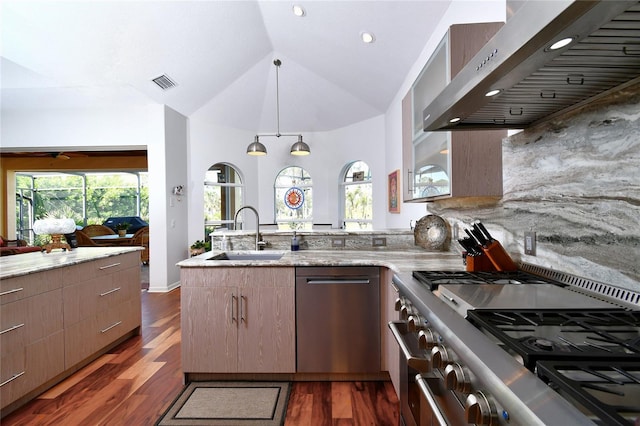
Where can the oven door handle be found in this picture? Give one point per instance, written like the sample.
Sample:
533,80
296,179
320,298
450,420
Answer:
435,408
399,329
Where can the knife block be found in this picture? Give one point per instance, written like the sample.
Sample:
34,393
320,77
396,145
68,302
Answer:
499,257
480,263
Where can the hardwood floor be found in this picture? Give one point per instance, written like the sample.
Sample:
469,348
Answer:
135,382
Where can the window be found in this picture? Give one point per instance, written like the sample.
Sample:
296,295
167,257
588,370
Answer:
294,199
87,198
222,196
357,198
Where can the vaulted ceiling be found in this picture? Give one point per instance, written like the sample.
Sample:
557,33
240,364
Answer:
78,54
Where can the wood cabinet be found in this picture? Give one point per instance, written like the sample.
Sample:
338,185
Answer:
55,320
452,163
101,304
389,348
238,320
31,335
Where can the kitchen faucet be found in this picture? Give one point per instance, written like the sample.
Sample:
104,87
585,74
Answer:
259,243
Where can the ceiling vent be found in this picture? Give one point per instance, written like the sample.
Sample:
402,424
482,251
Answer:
164,82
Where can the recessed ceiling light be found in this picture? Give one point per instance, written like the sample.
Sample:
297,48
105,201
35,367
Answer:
561,43
367,37
298,10
492,92
455,120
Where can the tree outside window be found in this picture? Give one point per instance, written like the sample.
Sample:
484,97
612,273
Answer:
294,199
357,197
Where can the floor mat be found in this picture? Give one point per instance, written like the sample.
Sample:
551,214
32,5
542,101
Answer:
229,403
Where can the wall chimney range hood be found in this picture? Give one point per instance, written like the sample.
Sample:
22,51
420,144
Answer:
535,83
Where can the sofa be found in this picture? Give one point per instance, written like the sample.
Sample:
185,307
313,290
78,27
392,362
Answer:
9,247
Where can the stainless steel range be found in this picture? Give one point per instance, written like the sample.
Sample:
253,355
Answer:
514,348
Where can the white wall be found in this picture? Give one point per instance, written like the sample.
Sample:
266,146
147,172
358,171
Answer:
169,165
160,130
330,152
76,128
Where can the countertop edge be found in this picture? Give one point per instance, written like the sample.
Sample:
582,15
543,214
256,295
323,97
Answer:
29,263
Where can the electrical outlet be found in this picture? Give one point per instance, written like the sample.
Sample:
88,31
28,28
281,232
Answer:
530,243
378,242
337,242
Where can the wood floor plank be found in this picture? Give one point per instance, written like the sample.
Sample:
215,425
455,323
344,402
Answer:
63,386
299,410
341,407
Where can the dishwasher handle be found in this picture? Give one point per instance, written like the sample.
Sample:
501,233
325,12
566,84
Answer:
341,281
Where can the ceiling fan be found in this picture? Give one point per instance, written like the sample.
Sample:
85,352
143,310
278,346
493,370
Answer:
59,155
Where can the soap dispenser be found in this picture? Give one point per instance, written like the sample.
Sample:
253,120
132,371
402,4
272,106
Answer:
295,242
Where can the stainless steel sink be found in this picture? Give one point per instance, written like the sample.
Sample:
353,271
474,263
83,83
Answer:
248,255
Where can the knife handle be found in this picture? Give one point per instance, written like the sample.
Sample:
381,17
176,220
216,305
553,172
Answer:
485,232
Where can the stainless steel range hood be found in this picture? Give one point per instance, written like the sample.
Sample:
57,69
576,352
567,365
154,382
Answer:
537,83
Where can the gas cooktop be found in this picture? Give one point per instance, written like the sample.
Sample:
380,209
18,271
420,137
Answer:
432,279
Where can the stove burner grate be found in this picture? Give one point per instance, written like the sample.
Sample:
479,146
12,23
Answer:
536,335
608,390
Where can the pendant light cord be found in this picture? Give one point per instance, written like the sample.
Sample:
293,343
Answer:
277,63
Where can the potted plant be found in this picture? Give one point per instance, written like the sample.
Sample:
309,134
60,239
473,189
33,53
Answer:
198,247
122,228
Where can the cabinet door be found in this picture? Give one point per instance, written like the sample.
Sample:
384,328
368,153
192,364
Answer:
407,148
266,341
390,351
209,329
442,164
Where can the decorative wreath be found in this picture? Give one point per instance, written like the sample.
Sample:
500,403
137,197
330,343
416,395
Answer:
294,198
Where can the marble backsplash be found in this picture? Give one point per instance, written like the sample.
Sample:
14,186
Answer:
394,239
575,181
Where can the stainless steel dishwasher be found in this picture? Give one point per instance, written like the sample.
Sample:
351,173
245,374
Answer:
338,319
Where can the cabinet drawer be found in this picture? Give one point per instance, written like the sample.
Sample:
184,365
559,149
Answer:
16,288
24,370
93,333
239,277
100,293
97,268
28,320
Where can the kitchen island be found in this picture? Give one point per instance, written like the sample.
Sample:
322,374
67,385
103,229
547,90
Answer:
60,311
239,315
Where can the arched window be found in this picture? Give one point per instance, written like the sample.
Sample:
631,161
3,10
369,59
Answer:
357,196
294,199
222,196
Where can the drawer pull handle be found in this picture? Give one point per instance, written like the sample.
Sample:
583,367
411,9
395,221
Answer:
15,376
110,327
15,290
110,291
109,266
15,327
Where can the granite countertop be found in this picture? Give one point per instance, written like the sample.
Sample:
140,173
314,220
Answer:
28,263
397,261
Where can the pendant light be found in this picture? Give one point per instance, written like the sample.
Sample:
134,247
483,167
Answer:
257,148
